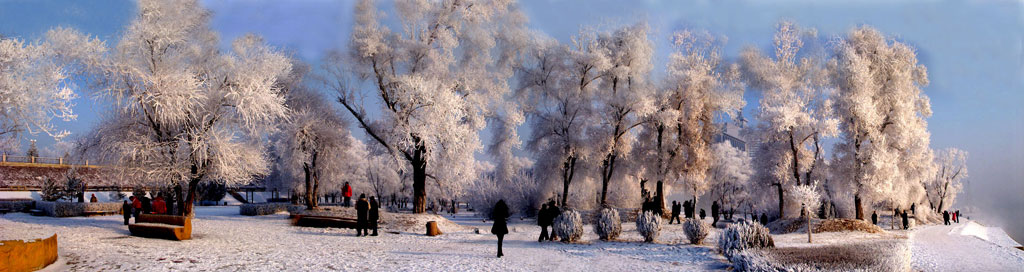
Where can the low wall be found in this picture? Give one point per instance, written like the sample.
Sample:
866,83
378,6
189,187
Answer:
16,255
253,209
65,209
16,205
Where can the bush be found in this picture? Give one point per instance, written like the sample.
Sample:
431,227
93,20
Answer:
65,209
253,209
696,230
568,226
649,225
744,235
52,190
608,225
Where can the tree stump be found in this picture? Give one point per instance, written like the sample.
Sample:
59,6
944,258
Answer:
432,229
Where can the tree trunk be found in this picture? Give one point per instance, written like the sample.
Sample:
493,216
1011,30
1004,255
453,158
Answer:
419,186
607,169
310,203
858,204
808,218
191,198
782,201
568,171
659,191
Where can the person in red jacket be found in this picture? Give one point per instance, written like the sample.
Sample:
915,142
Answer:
136,206
347,193
159,206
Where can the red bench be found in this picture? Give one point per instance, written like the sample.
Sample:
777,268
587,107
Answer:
162,226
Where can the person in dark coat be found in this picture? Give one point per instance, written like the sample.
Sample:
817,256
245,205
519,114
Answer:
764,219
956,216
702,215
714,213
874,218
126,210
687,211
945,217
913,208
553,212
147,205
93,198
542,218
676,209
500,214
374,215
906,220
362,214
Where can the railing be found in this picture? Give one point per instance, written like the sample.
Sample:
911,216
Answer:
41,160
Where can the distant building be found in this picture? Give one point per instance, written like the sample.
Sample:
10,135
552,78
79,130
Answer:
731,132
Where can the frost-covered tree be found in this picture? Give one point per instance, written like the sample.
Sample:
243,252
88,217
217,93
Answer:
951,164
729,174
794,111
701,86
35,80
558,83
623,98
185,111
315,142
881,109
808,197
437,80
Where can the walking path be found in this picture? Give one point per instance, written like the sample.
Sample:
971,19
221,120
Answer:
966,246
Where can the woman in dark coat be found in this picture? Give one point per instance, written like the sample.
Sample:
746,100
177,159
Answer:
500,214
374,215
126,210
362,214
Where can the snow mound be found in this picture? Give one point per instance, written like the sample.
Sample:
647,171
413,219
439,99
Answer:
991,234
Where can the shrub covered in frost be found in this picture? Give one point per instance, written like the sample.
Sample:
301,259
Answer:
65,209
568,226
696,230
252,209
742,236
649,225
608,225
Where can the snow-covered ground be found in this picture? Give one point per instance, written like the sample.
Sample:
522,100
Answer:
225,241
966,246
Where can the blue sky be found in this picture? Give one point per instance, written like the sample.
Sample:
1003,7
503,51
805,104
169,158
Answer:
973,52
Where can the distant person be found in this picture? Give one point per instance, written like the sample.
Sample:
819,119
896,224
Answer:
714,213
126,210
362,214
687,209
553,212
346,192
701,214
906,220
945,217
913,208
136,206
676,209
542,221
764,219
874,217
500,227
956,216
159,206
93,199
374,215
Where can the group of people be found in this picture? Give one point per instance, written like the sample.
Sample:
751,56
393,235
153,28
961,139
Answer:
950,216
367,215
142,205
688,209
545,218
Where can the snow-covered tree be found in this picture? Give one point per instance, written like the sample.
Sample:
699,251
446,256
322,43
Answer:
315,141
35,80
623,98
952,170
186,112
794,112
557,83
437,81
729,174
702,86
881,109
808,197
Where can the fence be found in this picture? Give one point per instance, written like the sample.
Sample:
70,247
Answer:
42,160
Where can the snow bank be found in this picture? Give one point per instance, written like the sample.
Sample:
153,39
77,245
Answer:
991,234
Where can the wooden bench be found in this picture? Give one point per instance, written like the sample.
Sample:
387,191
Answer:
97,213
162,226
323,221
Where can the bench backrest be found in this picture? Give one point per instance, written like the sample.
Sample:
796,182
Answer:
164,219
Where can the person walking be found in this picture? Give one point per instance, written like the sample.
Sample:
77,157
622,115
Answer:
764,219
956,217
362,214
874,217
542,221
346,192
945,217
714,213
500,227
553,212
374,215
676,209
906,220
126,210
